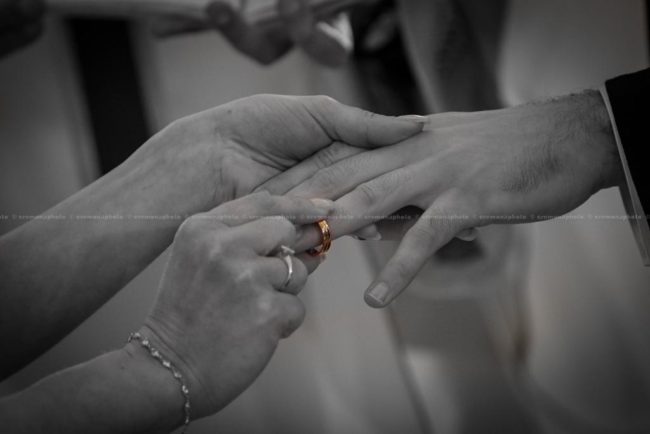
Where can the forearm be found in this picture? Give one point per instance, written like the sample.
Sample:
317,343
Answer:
56,272
122,391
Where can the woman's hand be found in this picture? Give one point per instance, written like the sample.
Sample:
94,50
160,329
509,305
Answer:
191,166
329,42
225,301
21,22
515,165
223,305
224,153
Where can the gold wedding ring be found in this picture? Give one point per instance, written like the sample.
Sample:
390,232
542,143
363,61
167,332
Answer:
326,239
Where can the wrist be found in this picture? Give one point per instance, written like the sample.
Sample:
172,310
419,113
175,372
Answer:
601,140
159,393
582,139
201,398
178,171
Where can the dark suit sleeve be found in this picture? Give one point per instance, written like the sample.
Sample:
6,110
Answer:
629,105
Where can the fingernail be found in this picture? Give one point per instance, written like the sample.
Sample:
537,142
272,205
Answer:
326,206
376,296
415,118
468,235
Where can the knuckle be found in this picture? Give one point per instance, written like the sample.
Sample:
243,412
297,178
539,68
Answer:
268,309
402,270
199,231
432,229
285,226
294,207
368,194
178,127
262,201
426,230
293,318
327,156
297,313
368,115
192,228
245,277
302,273
323,104
263,306
324,100
449,223
216,252
327,179
198,239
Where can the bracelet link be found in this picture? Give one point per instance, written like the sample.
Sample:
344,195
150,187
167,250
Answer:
185,391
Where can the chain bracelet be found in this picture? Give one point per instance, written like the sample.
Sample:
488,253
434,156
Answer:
171,368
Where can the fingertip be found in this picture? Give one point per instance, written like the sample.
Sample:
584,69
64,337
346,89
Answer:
414,127
417,119
387,130
368,233
372,301
377,296
468,234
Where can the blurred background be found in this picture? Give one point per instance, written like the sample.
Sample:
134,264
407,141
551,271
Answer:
536,328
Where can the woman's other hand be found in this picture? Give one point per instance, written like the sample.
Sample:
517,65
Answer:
224,153
329,41
223,304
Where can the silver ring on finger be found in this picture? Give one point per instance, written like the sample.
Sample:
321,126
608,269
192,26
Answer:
285,254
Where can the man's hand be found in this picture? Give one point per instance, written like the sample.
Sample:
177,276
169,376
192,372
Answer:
329,42
514,165
21,22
